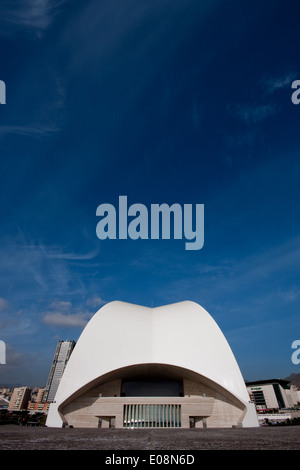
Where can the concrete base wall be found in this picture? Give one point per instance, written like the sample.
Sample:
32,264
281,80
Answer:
201,406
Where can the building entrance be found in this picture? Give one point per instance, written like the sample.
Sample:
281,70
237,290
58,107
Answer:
152,416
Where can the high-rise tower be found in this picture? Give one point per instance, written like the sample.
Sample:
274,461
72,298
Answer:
60,359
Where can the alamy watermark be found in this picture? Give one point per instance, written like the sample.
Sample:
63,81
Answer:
161,221
296,354
2,92
2,101
2,352
296,94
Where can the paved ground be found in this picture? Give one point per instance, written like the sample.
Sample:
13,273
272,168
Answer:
13,437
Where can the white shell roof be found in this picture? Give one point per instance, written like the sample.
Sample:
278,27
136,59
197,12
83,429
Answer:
181,334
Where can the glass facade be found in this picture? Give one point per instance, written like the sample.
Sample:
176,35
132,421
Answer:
152,388
259,398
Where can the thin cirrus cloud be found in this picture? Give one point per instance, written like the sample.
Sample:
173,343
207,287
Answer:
72,255
66,319
3,304
28,14
278,83
44,107
60,313
252,113
251,274
30,269
36,131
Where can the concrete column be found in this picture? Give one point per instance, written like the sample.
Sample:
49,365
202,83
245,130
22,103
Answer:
119,421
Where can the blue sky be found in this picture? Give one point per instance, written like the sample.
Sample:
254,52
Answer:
184,102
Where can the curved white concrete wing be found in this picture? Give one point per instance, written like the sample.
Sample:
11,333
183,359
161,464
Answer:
122,334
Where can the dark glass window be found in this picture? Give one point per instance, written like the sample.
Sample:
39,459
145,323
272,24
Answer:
152,388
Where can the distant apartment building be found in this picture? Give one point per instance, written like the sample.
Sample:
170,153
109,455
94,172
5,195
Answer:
36,403
19,399
3,403
273,394
37,394
5,392
294,395
60,359
34,407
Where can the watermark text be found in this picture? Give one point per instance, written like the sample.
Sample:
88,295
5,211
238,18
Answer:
2,352
296,94
2,92
161,221
296,354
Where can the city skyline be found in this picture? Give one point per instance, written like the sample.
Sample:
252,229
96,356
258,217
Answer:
169,102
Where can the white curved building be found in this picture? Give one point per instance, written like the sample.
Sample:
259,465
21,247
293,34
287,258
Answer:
168,366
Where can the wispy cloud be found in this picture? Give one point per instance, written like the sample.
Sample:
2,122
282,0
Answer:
72,256
34,269
69,320
33,111
37,131
252,287
3,304
34,15
95,302
61,305
273,84
252,113
17,324
61,314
